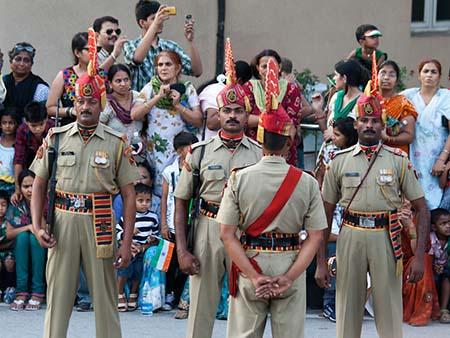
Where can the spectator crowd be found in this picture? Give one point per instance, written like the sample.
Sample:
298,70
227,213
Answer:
152,101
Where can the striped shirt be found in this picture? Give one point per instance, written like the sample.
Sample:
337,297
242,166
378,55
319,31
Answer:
146,225
143,72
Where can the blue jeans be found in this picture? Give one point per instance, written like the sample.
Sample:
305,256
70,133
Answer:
83,290
329,295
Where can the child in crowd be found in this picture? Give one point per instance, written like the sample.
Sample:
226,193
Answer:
145,228
440,223
29,137
9,122
26,248
7,261
147,176
368,37
175,278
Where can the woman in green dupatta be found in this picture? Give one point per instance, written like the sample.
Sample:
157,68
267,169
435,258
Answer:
166,112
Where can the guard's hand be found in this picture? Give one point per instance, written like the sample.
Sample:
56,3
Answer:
280,284
189,264
415,271
45,240
123,256
189,30
263,286
322,276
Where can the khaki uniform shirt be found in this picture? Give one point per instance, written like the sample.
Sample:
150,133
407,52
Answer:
215,166
100,165
252,189
391,177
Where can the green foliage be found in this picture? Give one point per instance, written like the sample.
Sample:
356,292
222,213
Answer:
308,80
405,76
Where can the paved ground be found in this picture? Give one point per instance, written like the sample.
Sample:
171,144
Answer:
134,325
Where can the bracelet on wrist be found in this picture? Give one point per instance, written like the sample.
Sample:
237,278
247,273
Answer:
114,57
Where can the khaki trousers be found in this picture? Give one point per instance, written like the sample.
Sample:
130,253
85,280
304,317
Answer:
247,315
205,288
74,244
360,251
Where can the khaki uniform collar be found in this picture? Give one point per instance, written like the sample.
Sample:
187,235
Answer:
99,131
358,149
273,159
217,143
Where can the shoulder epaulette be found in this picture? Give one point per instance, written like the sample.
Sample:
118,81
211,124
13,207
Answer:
114,132
235,169
396,151
254,142
56,130
200,144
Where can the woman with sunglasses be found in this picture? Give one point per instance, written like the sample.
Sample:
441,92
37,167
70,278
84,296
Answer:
63,86
22,86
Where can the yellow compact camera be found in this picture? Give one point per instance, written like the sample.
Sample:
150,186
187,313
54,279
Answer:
171,10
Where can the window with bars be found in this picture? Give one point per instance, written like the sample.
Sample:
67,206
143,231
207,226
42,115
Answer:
430,15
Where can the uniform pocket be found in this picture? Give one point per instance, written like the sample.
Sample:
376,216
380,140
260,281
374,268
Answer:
66,167
66,161
349,185
214,181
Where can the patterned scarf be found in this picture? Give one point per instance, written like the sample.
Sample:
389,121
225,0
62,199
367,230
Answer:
368,150
230,141
166,102
122,114
86,132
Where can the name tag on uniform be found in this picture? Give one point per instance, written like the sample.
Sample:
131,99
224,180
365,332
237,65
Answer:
351,174
214,167
67,153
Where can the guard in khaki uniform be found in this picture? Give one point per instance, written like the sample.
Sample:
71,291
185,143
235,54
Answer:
229,149
369,180
271,203
91,167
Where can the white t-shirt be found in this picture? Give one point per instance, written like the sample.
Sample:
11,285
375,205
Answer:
6,164
171,174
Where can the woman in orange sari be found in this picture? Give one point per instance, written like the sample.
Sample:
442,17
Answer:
420,300
401,115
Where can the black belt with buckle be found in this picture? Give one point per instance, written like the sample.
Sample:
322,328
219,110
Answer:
75,203
209,209
272,242
367,222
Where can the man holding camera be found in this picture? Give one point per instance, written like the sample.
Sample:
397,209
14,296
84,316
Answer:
140,54
213,160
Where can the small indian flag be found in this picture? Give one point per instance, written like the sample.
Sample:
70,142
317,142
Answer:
163,255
